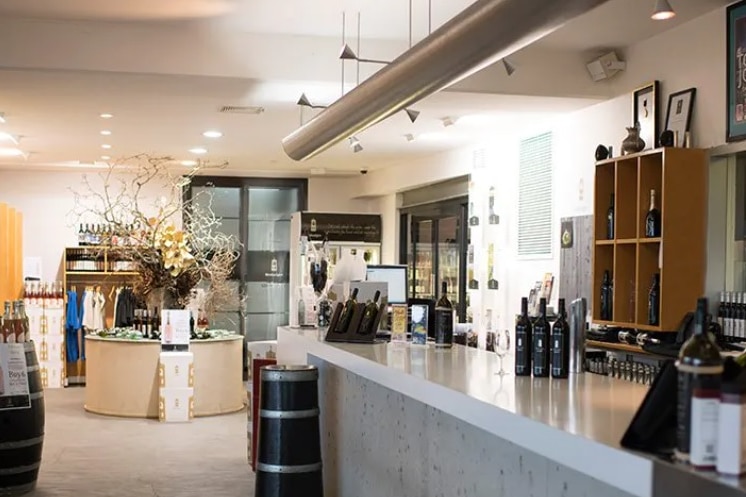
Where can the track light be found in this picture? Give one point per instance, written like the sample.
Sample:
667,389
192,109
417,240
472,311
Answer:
357,148
409,137
448,121
412,114
509,68
348,53
354,141
663,11
304,102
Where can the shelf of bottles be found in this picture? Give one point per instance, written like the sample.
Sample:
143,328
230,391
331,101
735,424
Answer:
97,261
44,309
649,209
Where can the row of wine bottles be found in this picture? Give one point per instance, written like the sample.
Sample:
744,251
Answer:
542,349
14,327
732,315
606,311
148,323
44,294
652,219
87,260
106,235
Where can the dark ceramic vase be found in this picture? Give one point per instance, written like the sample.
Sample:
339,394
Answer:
602,153
633,143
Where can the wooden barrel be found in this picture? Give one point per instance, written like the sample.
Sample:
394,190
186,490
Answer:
22,435
289,449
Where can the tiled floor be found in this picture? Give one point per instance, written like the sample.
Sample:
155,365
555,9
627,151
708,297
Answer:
88,455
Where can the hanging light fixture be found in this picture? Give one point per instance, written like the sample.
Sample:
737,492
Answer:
663,11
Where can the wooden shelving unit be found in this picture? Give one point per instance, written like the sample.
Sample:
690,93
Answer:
679,178
11,253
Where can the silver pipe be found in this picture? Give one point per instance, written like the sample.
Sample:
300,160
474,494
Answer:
483,33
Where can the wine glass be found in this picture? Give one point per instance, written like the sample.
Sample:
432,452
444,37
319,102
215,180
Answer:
502,347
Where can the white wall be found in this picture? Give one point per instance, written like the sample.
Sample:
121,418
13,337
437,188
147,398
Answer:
330,194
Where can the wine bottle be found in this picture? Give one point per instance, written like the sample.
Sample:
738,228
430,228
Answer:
491,281
346,316
444,319
610,219
9,329
473,218
494,218
81,236
168,329
607,310
369,316
540,349
136,323
202,322
25,324
700,367
192,333
721,313
738,316
653,219
156,322
654,307
523,343
561,344
727,317
148,323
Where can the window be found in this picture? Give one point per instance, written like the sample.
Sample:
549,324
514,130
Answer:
535,196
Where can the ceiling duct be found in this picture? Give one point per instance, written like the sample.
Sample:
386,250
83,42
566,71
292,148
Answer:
483,33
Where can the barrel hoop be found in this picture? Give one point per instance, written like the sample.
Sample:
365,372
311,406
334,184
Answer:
297,375
305,413
36,395
31,369
18,489
20,469
276,468
19,444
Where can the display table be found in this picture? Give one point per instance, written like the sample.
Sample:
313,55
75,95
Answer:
122,376
414,420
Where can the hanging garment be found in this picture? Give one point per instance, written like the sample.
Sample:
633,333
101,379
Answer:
98,311
72,325
124,312
86,311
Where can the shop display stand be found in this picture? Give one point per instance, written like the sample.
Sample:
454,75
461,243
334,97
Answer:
352,334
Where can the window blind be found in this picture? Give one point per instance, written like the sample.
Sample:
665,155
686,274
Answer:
535,179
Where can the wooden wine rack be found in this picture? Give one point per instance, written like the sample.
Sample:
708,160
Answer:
679,178
11,253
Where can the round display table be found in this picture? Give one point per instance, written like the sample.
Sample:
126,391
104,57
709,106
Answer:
122,376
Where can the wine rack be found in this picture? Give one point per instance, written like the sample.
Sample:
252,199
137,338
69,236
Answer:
679,178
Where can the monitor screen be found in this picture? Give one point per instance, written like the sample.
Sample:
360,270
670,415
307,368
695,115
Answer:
396,277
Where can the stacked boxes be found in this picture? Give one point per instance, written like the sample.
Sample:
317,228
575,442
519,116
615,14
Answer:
47,329
176,399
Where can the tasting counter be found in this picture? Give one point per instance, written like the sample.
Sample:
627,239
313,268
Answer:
406,421
122,376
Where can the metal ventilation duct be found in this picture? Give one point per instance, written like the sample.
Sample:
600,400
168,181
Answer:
477,37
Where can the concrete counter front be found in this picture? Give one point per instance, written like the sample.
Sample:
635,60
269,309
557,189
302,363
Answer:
407,421
122,376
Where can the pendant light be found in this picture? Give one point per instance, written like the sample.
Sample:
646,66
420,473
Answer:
663,11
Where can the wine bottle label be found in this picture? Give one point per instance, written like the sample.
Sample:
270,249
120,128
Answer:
540,355
704,428
522,355
443,326
694,382
559,367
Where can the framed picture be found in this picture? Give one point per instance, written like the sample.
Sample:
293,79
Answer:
644,111
736,73
679,112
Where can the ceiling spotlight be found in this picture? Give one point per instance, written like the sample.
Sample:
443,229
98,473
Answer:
105,132
412,114
663,11
304,102
357,148
509,67
348,53
105,157
106,146
409,137
106,115
354,141
212,134
448,121
189,163
11,152
198,150
7,137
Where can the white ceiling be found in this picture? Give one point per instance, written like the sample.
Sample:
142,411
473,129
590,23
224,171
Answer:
164,81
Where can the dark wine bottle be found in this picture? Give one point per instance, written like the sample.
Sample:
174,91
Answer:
653,219
346,316
700,367
523,343
156,322
721,313
369,316
561,344
610,219
494,218
444,319
607,297
136,323
473,218
540,348
654,301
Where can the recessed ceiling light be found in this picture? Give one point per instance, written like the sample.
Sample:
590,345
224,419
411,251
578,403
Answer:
106,115
106,157
189,163
212,133
7,137
10,152
106,146
105,132
198,150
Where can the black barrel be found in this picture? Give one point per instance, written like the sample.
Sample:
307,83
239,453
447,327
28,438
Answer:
22,435
289,448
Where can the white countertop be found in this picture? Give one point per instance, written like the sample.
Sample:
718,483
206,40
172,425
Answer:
578,422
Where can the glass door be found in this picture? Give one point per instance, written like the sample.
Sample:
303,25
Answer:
449,257
424,259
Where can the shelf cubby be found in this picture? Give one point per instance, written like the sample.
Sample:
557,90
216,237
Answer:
679,178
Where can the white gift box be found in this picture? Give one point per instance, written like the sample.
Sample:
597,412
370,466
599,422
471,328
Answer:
176,370
176,405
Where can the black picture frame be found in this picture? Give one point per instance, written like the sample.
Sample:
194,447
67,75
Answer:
647,113
735,80
675,121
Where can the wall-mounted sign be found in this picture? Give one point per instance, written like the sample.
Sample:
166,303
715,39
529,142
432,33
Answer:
268,267
365,228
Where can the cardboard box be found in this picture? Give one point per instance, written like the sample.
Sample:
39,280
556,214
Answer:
176,405
176,370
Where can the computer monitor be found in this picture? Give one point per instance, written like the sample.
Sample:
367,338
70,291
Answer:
395,276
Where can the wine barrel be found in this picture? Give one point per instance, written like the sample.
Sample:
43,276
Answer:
22,435
289,448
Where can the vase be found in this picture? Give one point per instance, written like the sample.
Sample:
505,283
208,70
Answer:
633,143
